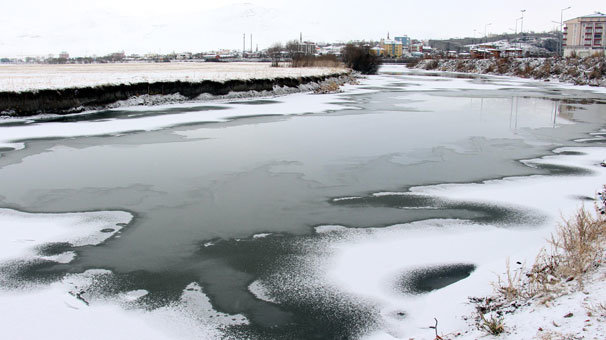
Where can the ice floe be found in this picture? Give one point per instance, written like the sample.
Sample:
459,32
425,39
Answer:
23,233
261,292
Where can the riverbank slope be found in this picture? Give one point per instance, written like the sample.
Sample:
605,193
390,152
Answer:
34,89
578,71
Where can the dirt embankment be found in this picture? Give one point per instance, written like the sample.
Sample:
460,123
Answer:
70,100
579,71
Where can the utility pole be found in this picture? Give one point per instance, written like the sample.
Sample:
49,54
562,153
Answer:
243,44
522,27
562,30
251,43
485,32
518,19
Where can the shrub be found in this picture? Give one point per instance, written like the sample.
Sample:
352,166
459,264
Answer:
493,326
460,66
544,71
503,65
302,60
360,59
577,246
432,64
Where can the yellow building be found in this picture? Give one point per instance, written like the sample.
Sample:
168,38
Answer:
391,48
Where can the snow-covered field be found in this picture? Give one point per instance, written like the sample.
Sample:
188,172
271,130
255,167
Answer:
29,77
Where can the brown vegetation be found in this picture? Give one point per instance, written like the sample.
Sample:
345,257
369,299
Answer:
302,60
581,71
575,250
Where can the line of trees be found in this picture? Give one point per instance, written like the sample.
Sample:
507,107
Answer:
355,56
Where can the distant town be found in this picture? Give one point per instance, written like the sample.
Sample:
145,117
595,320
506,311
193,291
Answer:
582,36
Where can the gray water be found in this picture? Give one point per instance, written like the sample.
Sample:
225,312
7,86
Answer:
225,182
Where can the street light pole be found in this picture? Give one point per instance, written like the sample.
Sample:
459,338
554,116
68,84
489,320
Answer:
562,30
485,34
522,27
518,19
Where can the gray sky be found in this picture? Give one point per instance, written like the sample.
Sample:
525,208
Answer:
40,27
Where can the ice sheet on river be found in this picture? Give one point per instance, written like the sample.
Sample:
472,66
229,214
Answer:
293,104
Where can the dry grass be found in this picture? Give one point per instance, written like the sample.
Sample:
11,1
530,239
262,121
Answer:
578,245
510,287
493,326
316,61
432,65
575,249
328,87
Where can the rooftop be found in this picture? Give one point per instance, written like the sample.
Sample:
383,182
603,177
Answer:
590,16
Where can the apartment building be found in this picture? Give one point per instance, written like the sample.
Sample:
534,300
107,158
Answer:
391,48
405,40
584,36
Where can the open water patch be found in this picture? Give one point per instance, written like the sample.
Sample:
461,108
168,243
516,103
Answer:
427,279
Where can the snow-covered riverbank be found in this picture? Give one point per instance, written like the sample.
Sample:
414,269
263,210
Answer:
34,89
578,71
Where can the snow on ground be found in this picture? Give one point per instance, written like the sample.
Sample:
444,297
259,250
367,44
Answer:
496,81
64,309
56,312
29,77
368,265
580,315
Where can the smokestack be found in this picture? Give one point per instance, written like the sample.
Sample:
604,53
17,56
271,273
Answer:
301,37
251,43
243,44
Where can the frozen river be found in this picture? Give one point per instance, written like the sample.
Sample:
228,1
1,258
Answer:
302,216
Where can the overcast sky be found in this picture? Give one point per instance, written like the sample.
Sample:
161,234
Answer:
41,27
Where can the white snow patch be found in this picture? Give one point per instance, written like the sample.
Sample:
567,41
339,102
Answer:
388,193
65,257
261,235
133,295
58,311
23,233
258,289
346,198
323,229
